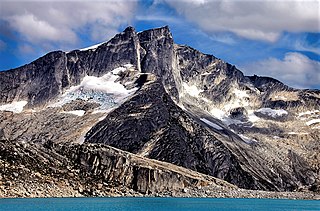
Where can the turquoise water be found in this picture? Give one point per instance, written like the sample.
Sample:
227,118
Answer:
78,204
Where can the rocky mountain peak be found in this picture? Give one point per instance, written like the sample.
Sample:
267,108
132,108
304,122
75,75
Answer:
142,93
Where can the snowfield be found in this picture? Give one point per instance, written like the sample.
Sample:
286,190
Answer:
105,90
15,107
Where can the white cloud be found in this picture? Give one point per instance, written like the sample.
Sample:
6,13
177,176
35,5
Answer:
37,30
61,21
295,70
257,20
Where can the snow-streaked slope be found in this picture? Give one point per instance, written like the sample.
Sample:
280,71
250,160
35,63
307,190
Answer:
16,107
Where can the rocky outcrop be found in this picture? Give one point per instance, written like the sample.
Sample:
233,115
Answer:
63,170
96,164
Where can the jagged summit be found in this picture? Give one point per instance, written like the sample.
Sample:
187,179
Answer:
142,93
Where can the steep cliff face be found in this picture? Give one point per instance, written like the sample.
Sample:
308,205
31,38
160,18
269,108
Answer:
142,93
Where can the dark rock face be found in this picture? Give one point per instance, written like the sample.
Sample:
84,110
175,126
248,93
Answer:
157,51
34,82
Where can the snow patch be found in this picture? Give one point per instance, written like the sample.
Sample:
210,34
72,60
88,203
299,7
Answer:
191,90
252,117
295,133
313,121
280,97
221,115
272,112
247,139
81,139
75,112
240,93
93,47
308,113
206,73
215,126
15,107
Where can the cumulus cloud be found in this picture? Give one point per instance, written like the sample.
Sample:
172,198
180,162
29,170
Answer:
61,21
295,70
258,20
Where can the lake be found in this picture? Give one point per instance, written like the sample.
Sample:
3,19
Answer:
130,203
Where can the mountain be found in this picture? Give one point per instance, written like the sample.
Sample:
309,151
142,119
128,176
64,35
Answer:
143,94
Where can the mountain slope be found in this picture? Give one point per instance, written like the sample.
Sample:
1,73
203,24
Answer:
142,93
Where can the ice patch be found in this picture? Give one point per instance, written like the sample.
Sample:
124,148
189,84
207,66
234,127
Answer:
272,112
15,107
215,126
313,121
191,90
75,112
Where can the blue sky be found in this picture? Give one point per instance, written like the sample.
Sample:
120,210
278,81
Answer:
273,38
